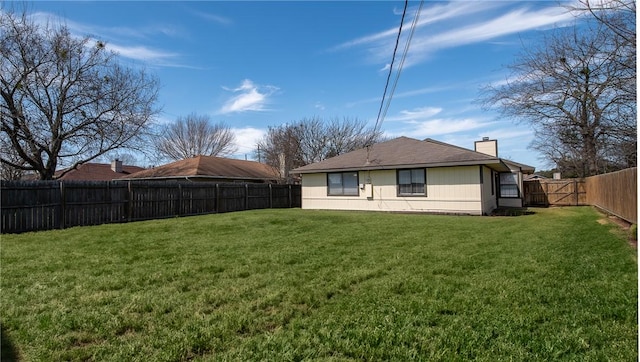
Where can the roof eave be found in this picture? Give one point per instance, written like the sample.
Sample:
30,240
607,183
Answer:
166,178
494,163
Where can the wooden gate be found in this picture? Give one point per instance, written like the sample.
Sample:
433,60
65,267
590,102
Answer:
555,192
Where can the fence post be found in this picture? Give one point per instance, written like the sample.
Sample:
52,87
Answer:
270,196
110,199
129,202
179,200
62,205
246,196
290,197
217,198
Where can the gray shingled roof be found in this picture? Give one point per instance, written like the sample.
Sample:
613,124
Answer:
404,152
210,167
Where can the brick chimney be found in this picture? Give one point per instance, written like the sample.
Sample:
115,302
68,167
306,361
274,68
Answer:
116,166
487,146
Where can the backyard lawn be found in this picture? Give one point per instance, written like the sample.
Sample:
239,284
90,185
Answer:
295,284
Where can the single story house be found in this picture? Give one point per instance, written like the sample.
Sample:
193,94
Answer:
406,174
99,171
210,168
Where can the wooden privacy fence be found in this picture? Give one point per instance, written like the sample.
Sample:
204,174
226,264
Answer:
45,205
614,192
568,192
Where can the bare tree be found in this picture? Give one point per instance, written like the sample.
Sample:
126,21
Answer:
280,148
313,140
195,135
66,100
577,90
348,135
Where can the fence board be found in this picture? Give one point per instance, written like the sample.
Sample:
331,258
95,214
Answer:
45,205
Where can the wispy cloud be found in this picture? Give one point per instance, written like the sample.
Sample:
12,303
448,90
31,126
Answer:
426,122
455,24
114,38
410,93
415,115
250,97
441,126
433,14
512,22
213,17
109,32
141,53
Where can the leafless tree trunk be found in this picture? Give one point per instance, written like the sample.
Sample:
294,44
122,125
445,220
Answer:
66,100
195,135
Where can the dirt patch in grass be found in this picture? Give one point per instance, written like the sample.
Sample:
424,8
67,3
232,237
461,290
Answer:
631,230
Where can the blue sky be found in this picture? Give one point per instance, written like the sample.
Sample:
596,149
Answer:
258,64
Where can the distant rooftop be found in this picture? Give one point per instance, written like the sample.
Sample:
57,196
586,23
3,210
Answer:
210,167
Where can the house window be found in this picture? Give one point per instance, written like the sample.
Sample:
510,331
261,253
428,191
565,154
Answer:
342,184
411,182
509,185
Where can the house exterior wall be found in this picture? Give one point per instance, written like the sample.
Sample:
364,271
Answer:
448,190
489,190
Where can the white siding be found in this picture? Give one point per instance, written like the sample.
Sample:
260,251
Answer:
489,191
448,190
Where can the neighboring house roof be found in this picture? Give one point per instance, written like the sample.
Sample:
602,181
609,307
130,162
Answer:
97,172
210,167
526,169
405,152
534,177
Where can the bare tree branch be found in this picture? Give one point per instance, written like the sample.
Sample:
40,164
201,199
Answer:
313,140
578,92
65,100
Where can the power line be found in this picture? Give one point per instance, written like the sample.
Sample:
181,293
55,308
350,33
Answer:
393,58
382,112
404,57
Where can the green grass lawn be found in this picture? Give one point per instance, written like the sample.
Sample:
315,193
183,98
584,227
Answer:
321,285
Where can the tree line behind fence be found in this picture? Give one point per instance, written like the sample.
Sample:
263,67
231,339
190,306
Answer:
45,205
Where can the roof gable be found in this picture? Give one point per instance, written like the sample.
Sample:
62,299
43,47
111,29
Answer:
403,152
